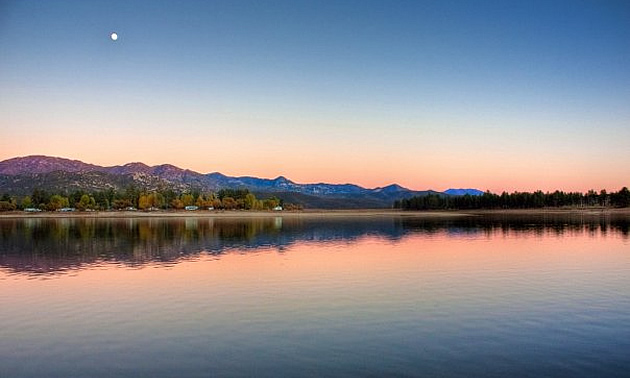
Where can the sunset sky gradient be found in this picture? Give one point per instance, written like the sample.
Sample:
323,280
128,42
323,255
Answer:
499,95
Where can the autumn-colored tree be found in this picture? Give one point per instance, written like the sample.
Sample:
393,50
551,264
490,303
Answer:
57,202
187,199
240,203
7,205
250,201
150,201
121,204
228,203
216,203
156,200
143,202
86,202
26,202
177,204
203,201
270,203
292,207
258,205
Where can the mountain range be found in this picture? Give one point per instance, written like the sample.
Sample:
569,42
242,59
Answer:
21,175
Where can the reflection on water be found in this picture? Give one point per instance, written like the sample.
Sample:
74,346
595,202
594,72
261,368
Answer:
491,296
50,246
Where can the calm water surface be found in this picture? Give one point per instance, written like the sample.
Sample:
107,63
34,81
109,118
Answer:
381,296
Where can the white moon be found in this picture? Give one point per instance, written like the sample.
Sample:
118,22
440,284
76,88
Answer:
114,36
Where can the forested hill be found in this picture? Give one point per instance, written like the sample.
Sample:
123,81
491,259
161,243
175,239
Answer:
21,176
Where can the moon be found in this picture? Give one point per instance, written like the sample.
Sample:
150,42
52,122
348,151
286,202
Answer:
113,36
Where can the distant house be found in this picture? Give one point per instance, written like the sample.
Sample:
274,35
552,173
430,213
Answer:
66,209
32,210
130,208
211,208
277,208
191,208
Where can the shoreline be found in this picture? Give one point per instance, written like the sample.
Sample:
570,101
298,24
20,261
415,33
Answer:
231,214
315,213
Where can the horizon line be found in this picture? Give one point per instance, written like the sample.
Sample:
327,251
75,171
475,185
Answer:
282,176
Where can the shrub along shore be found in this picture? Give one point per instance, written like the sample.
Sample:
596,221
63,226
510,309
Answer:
166,201
134,199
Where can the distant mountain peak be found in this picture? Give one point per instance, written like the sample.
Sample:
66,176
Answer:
36,164
136,165
462,192
393,188
216,174
168,168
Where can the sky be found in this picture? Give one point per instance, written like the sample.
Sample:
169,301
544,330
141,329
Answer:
493,95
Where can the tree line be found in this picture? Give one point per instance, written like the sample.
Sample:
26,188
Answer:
132,197
517,200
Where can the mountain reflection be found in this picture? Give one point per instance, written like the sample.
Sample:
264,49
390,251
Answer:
48,246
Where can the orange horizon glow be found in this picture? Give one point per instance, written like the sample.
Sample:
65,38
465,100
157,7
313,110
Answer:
372,173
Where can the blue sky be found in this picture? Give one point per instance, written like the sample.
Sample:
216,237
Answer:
491,94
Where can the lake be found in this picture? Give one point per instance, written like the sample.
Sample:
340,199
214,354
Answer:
493,296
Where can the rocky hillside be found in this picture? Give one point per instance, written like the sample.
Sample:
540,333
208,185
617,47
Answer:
20,176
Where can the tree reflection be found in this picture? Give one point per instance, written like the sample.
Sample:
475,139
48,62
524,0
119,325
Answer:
50,246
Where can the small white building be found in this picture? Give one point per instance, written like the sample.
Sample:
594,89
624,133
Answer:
191,208
277,208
